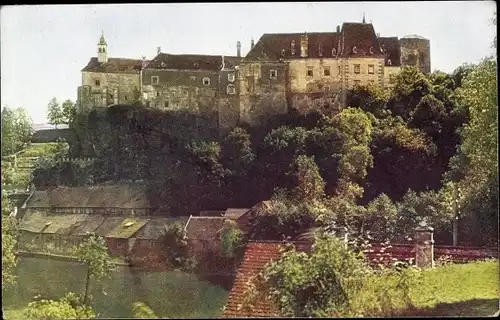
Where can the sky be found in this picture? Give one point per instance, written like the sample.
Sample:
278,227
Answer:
44,47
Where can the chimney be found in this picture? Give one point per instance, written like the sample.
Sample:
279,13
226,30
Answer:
251,44
304,44
238,49
158,50
338,28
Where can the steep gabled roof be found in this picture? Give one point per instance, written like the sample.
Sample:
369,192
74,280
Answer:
362,36
114,65
280,44
392,50
191,62
204,228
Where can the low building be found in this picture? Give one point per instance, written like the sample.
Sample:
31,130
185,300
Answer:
109,199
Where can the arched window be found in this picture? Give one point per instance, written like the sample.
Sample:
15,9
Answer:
334,52
354,49
292,47
320,50
371,50
389,62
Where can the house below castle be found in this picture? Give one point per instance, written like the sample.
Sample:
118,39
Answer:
278,72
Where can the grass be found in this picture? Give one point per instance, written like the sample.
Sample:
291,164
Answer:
471,289
39,150
14,314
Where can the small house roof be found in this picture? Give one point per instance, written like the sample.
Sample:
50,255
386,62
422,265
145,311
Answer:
114,65
108,225
89,225
156,227
235,213
204,228
127,228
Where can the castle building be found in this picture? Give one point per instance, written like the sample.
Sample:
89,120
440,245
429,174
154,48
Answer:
279,70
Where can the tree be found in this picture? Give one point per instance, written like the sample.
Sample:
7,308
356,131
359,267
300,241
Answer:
55,112
230,238
321,284
380,218
309,184
68,112
68,307
237,153
93,251
9,241
17,128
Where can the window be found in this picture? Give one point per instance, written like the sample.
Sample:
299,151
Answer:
354,49
389,62
282,52
98,83
292,47
357,68
371,69
155,80
310,71
125,98
231,89
206,81
326,71
371,50
166,103
334,52
157,93
230,77
273,74
320,50
163,64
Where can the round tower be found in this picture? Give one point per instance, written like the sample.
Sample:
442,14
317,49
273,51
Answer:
416,51
102,50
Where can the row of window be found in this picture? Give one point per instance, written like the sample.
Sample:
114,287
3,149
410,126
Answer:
206,80
371,69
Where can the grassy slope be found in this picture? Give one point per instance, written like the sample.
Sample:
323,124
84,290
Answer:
471,289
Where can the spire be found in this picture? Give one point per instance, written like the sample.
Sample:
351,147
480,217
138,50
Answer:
101,40
364,21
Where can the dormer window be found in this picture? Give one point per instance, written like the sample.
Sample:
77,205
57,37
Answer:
371,50
334,52
196,64
292,47
282,52
320,50
163,64
206,81
389,62
155,80
230,77
354,49
231,89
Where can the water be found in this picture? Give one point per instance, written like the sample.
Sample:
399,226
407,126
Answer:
169,294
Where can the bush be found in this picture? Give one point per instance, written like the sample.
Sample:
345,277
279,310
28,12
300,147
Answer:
230,238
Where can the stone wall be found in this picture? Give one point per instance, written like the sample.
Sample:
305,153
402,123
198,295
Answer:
416,52
302,82
113,88
388,72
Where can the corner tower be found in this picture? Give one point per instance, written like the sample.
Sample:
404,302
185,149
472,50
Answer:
102,50
416,51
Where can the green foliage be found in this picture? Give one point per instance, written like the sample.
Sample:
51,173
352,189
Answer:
380,218
68,307
9,242
237,153
231,239
309,184
140,310
68,111
321,284
176,248
94,252
17,129
369,98
55,112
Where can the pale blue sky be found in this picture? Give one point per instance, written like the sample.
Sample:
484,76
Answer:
44,47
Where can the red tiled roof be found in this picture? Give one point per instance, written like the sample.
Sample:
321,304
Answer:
392,50
114,65
257,255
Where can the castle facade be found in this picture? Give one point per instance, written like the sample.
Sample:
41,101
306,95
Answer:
279,71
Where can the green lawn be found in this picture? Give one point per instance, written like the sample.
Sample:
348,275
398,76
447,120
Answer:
39,149
471,289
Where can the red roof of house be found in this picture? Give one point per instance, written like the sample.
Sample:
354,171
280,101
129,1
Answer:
257,255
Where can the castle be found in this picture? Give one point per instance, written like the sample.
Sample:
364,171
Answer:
278,71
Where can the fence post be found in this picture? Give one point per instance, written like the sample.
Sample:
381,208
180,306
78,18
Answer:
424,246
